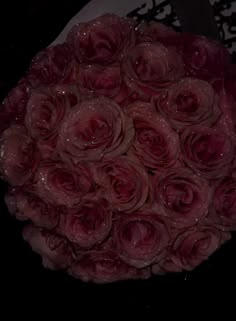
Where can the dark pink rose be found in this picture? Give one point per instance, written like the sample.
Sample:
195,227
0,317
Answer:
104,266
47,147
26,205
102,40
157,32
54,250
227,121
156,143
225,203
203,57
165,265
150,67
64,185
94,129
5,119
124,182
14,105
189,102
208,151
18,155
229,82
194,246
181,196
50,66
46,109
87,224
141,238
100,80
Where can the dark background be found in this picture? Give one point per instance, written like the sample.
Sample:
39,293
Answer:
25,28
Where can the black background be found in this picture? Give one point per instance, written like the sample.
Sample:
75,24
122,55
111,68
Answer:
25,28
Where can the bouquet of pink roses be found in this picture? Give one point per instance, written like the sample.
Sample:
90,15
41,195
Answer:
119,148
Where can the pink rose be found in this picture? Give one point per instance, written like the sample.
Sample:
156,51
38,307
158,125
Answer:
150,67
181,196
157,32
47,147
194,246
104,266
124,182
141,238
203,57
189,102
5,119
46,109
164,266
100,80
14,105
50,66
208,151
229,81
156,143
87,224
18,155
64,185
94,129
26,205
54,250
227,121
225,203
102,40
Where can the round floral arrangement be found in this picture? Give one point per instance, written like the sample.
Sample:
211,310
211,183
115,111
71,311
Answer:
119,149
